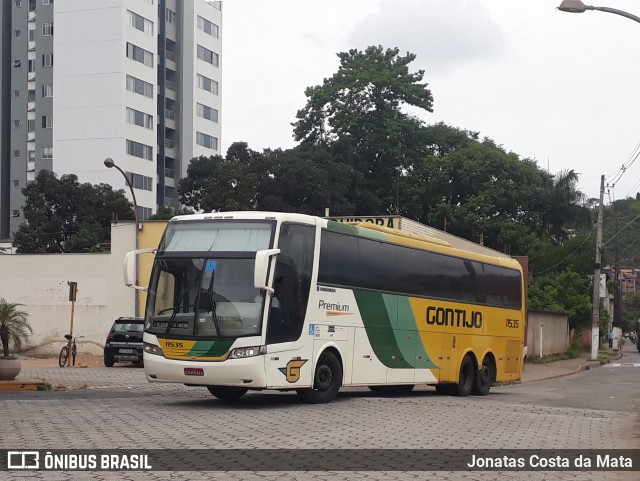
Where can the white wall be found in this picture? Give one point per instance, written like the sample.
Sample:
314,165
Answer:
552,328
39,281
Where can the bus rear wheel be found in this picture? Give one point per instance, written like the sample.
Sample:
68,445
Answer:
484,378
227,393
466,379
326,380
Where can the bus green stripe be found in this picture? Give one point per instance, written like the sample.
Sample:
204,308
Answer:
407,324
210,348
379,330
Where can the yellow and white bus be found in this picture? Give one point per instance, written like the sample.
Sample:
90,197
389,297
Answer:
241,301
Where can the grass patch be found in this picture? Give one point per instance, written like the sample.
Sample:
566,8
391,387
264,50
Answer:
44,386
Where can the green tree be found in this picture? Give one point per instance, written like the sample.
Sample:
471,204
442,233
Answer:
233,182
63,215
166,213
14,326
565,207
566,292
359,113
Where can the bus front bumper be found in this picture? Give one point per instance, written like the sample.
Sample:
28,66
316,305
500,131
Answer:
248,372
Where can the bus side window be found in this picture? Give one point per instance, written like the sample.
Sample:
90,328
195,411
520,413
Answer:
292,281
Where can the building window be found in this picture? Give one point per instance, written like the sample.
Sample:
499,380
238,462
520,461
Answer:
140,23
207,55
31,95
16,153
210,85
18,3
208,27
32,35
17,63
141,182
31,66
16,124
47,90
144,213
16,183
47,29
16,94
47,60
206,141
139,54
139,150
171,16
206,112
47,152
31,126
141,119
46,2
31,154
139,86
15,213
47,121
17,33
32,5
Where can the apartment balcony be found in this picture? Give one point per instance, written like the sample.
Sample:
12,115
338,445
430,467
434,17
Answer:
170,148
170,58
170,182
170,90
32,16
170,118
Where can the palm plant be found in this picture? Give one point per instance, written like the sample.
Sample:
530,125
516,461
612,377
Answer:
14,326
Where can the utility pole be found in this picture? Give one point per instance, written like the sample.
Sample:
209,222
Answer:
595,330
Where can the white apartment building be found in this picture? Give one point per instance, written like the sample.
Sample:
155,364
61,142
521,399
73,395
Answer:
137,81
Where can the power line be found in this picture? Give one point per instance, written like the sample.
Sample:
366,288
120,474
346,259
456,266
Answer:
566,258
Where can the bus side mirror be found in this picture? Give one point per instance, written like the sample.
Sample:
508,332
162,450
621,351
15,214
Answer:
130,267
262,268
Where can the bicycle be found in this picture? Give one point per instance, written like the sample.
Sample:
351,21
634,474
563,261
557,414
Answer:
64,352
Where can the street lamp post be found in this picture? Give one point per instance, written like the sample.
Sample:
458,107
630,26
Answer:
577,6
109,163
595,329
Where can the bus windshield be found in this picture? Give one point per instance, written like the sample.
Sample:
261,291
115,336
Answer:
204,297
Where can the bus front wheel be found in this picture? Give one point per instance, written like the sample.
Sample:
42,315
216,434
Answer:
227,393
326,380
466,379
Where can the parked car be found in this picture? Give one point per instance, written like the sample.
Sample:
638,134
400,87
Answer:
124,341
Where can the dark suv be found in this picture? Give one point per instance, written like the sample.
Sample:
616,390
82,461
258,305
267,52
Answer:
124,341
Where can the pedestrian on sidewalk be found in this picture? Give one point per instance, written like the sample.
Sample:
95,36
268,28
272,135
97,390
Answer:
610,339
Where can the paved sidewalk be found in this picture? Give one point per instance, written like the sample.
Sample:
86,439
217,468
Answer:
92,374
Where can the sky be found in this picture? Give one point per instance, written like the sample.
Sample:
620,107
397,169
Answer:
562,89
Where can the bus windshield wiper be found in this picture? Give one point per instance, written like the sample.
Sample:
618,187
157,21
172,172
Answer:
176,308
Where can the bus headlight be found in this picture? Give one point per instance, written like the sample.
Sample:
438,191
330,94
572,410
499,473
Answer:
152,349
242,352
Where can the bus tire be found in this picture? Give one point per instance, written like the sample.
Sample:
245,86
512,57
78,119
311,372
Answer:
227,393
483,378
466,379
327,380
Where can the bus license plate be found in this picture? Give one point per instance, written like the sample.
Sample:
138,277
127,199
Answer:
193,371
126,351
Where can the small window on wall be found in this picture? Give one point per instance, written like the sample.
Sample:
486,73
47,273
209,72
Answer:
15,213
16,183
